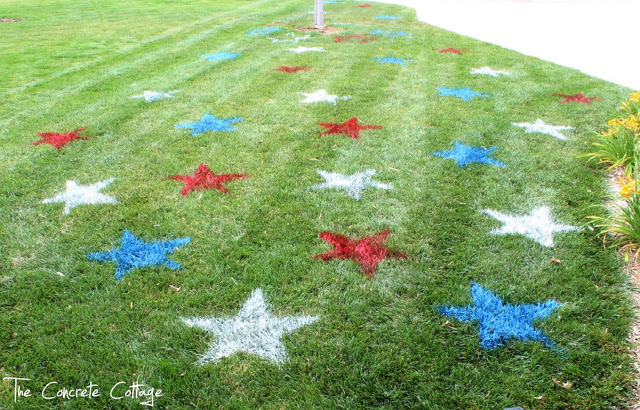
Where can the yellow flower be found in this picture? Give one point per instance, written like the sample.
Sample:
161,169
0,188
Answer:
629,185
635,97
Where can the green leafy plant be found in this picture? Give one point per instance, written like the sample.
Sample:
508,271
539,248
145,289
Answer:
616,148
622,227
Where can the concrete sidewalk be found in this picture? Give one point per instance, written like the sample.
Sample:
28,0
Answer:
597,37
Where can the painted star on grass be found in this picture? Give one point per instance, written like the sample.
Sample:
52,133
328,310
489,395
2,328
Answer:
252,330
151,96
393,60
465,93
367,251
577,98
489,71
221,56
287,69
391,34
537,225
322,96
449,50
302,49
203,178
499,322
387,17
349,127
264,31
364,5
294,40
135,253
210,123
76,194
353,184
465,155
544,128
58,140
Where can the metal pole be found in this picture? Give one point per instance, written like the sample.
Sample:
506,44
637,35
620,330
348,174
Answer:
319,13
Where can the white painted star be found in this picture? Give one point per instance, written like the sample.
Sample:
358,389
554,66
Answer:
322,96
354,184
151,96
301,49
537,225
544,128
294,40
489,71
76,194
253,330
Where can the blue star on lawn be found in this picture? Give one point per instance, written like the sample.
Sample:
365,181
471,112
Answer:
499,322
391,33
465,93
135,253
210,123
465,155
221,56
387,17
264,31
392,60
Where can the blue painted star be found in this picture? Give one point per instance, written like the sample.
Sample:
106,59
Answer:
387,17
465,155
210,123
499,322
135,253
221,56
264,31
392,60
465,93
391,33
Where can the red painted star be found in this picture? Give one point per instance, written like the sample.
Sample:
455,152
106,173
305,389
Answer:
203,178
349,127
579,98
59,140
354,38
287,69
449,50
367,251
364,5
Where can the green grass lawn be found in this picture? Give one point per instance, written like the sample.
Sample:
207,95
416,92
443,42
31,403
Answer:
377,342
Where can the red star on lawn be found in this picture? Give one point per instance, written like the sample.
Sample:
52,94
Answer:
287,69
349,127
449,50
367,251
354,38
364,5
579,98
203,178
59,140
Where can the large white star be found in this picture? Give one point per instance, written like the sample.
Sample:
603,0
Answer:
489,71
323,96
76,194
151,96
544,128
253,330
537,225
354,184
301,49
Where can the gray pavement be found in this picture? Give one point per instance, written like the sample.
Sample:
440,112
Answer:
597,37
